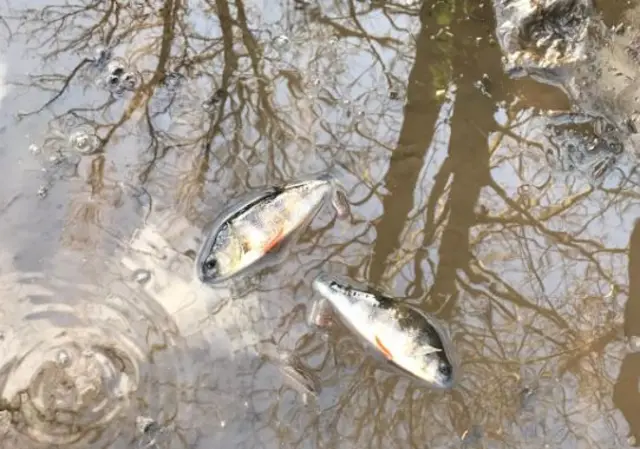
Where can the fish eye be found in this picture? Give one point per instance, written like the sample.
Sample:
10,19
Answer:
210,264
444,369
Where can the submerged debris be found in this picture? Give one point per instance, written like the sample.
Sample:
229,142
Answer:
141,276
218,96
43,191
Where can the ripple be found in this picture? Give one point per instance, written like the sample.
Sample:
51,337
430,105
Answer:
84,140
82,366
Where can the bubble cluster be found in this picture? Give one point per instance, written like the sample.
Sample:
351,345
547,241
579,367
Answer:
119,77
571,150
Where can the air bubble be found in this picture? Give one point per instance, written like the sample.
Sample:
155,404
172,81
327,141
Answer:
130,81
141,276
63,359
281,42
84,141
116,68
633,343
43,191
145,424
113,80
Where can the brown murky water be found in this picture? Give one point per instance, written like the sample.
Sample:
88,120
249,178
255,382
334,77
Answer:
126,126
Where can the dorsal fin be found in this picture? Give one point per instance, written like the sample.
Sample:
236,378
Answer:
426,350
270,194
371,297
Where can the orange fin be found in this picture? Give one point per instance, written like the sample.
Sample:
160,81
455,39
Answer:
382,348
274,241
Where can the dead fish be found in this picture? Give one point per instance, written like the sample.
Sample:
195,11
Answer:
406,337
256,226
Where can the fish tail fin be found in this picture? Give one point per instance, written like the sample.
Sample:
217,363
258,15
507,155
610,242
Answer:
339,197
321,315
340,203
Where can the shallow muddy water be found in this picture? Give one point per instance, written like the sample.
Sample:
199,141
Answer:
126,126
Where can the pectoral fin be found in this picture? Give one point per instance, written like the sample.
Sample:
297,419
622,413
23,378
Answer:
427,349
254,240
321,314
273,242
383,349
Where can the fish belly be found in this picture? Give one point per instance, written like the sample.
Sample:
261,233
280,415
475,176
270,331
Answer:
384,336
358,319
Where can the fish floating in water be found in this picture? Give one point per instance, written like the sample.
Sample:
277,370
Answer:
258,225
406,337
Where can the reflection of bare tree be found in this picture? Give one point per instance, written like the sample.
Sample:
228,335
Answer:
468,164
625,393
472,211
408,157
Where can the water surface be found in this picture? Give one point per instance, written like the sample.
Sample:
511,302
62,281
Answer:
126,126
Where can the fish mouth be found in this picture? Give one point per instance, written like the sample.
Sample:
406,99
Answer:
212,279
218,275
200,272
444,382
204,278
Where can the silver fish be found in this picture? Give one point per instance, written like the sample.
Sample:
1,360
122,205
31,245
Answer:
258,225
405,336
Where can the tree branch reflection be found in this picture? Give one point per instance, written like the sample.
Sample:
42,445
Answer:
454,204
